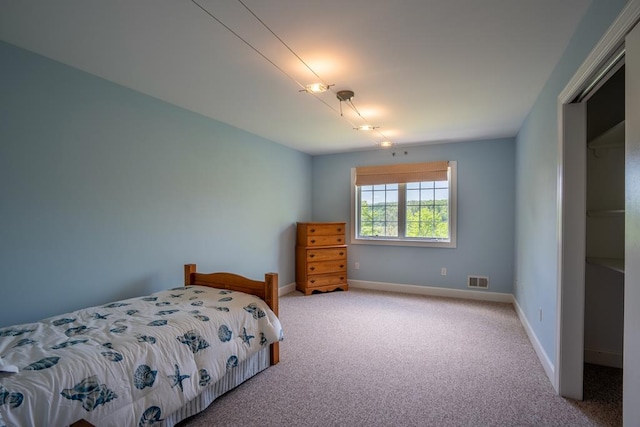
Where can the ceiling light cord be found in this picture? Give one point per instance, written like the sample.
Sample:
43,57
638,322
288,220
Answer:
303,87
283,43
354,108
247,43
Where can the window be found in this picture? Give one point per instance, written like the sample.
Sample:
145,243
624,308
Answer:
405,204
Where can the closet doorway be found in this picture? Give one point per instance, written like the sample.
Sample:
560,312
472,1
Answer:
590,251
605,216
593,226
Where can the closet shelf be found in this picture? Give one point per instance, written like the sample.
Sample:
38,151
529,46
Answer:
611,138
605,212
615,264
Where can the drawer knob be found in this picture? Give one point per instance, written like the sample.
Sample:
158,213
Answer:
312,268
312,281
339,240
339,229
341,278
313,241
313,230
312,255
341,253
341,265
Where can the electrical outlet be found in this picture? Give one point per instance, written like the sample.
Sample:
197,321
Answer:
357,265
443,271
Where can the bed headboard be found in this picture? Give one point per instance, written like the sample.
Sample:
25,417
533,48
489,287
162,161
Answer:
267,290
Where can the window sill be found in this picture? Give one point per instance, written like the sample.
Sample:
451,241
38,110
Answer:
409,243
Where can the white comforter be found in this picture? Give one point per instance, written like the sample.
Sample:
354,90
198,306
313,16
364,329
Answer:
129,362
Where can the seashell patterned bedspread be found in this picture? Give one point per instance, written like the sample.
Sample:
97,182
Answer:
127,363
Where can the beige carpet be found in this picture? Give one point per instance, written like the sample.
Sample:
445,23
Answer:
367,358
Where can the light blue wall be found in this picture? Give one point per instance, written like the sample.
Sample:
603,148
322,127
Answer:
106,193
536,165
486,202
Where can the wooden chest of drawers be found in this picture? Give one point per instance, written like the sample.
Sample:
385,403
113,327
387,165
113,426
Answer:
321,257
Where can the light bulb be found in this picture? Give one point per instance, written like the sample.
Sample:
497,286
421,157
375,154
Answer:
316,88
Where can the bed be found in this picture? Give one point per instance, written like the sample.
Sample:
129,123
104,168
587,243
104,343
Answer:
151,360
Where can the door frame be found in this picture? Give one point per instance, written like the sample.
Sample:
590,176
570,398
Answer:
571,187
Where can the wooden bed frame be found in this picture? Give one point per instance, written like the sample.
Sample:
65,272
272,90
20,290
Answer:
267,290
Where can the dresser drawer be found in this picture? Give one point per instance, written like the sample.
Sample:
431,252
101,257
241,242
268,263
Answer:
326,267
325,240
324,229
326,254
327,279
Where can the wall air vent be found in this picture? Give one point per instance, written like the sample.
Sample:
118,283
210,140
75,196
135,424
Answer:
478,282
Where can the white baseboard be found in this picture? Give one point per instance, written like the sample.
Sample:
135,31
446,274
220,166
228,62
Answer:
286,289
432,291
604,358
542,355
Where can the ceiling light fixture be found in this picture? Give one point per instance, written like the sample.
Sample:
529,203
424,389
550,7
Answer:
366,127
342,95
345,95
316,88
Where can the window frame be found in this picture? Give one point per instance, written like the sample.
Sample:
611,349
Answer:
408,241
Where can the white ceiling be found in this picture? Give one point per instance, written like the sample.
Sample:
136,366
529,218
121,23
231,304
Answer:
424,71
